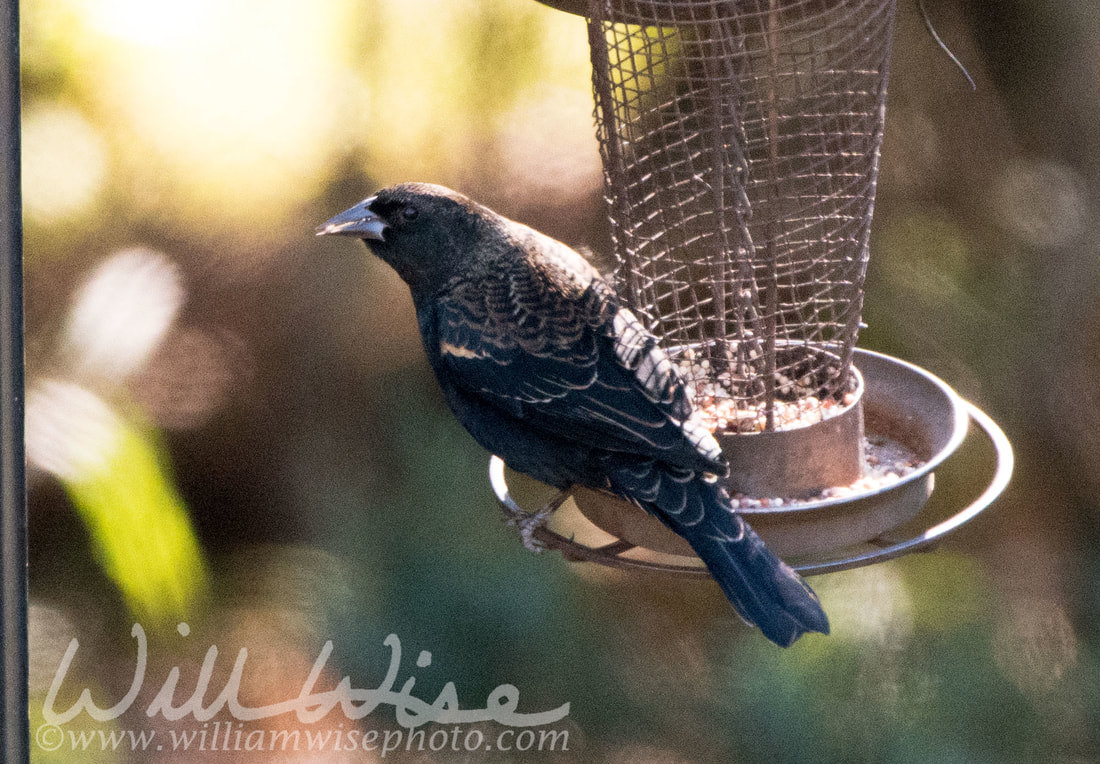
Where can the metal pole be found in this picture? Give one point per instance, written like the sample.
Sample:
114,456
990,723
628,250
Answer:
14,736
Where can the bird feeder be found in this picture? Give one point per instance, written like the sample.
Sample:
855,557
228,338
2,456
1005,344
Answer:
740,143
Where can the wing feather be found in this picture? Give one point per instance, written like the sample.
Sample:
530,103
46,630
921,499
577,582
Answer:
569,360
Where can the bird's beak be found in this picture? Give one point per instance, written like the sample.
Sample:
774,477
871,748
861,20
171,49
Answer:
358,221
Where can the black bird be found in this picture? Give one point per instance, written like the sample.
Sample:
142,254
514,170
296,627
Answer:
545,368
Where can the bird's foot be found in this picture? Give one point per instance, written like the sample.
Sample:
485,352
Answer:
529,523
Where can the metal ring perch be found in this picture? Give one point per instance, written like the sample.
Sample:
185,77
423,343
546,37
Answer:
611,554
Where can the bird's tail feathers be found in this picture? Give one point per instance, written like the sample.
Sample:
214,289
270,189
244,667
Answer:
764,590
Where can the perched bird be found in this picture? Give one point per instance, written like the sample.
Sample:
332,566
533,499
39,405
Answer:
544,367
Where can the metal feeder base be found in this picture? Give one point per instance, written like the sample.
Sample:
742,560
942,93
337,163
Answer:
800,461
901,402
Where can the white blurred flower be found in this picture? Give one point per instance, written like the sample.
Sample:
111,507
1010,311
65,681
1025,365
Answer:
70,431
122,313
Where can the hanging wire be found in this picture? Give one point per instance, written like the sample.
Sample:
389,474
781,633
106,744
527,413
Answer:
943,46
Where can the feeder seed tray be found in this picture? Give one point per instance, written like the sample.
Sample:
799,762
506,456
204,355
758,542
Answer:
903,404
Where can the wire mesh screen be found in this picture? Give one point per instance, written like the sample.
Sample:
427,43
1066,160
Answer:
740,142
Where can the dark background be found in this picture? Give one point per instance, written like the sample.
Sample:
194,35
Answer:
283,422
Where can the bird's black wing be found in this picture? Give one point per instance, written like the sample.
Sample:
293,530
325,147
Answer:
546,341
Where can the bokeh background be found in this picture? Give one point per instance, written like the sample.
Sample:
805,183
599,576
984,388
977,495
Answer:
231,423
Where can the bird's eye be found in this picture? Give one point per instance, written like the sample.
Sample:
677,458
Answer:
410,213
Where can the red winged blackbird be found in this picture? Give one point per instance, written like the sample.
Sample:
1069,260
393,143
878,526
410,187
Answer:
545,368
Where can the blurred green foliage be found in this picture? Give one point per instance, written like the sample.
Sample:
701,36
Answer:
141,530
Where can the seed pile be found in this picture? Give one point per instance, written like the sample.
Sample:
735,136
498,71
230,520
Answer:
723,404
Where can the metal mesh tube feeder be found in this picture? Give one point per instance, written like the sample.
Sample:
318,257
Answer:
740,142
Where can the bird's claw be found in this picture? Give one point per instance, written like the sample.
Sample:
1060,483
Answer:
529,523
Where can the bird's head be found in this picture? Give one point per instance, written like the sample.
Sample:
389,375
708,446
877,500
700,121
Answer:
426,233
